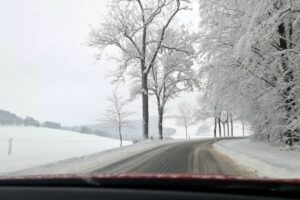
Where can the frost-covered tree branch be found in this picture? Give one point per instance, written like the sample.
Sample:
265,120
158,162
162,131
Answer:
117,115
186,116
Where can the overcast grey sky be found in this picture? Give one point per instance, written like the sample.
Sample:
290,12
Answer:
45,70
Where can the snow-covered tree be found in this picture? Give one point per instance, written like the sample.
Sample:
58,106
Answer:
138,29
117,115
172,73
251,53
186,116
208,109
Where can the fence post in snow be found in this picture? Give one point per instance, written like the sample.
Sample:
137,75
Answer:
10,143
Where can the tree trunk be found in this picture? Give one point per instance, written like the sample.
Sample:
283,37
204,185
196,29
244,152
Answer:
227,122
120,135
215,127
231,123
145,106
160,122
186,133
219,124
243,126
288,78
224,130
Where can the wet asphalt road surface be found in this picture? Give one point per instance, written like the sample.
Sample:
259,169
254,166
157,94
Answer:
195,157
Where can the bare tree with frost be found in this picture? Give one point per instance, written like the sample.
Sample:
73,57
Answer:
186,116
138,29
172,72
117,115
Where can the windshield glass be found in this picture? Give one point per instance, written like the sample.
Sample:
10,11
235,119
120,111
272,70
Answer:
151,86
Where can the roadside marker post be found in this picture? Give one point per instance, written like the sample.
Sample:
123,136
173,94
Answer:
10,144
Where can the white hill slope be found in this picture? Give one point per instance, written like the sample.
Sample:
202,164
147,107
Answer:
32,146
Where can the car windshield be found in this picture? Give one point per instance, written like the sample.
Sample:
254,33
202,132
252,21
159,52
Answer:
204,87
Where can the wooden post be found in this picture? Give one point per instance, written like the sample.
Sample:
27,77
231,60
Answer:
10,143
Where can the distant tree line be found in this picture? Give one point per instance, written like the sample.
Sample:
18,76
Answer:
8,118
50,124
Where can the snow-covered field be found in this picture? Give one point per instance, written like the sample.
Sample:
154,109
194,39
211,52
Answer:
33,146
261,158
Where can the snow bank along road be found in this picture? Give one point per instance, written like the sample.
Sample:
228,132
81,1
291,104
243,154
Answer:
261,158
194,156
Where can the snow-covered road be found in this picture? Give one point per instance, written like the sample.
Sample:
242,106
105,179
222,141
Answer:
186,156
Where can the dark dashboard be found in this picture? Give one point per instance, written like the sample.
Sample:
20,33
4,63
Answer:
145,188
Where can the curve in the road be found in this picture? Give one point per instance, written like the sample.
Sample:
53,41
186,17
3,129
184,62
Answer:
196,157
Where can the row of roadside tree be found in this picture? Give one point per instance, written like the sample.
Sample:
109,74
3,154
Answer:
245,59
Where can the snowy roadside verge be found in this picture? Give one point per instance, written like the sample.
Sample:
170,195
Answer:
89,163
261,158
